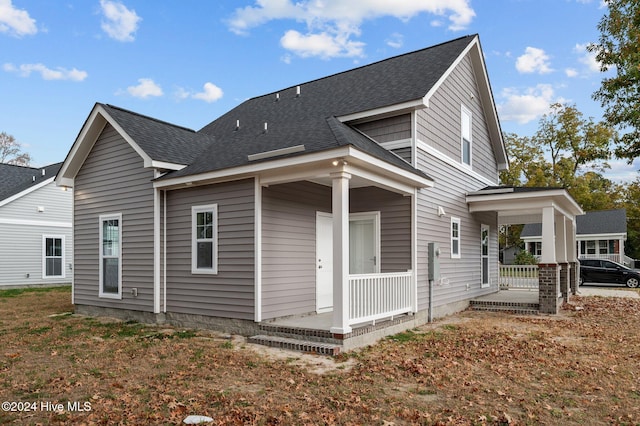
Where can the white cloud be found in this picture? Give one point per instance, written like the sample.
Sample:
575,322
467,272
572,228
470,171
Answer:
146,88
587,58
211,93
15,21
533,60
59,73
331,24
120,23
322,44
396,41
621,171
571,72
526,106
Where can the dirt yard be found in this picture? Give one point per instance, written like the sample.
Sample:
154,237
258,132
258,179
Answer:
577,368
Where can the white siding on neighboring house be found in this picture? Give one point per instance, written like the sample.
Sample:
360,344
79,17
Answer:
24,221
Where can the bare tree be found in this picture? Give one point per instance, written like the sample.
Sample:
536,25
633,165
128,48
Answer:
11,151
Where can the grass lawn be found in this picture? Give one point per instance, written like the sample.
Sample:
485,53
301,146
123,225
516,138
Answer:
577,368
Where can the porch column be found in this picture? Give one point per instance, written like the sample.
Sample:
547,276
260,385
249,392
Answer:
562,255
548,254
548,269
340,211
572,257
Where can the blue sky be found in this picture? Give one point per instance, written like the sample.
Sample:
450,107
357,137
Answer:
190,62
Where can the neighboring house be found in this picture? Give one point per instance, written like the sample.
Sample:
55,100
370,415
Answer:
315,203
599,234
35,227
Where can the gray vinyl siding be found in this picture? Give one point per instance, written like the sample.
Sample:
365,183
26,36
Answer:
230,293
289,247
289,240
388,129
439,125
404,153
449,193
395,225
113,180
22,228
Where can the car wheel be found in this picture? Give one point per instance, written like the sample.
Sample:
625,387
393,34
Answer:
632,282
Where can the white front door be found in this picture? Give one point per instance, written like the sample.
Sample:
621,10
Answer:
324,262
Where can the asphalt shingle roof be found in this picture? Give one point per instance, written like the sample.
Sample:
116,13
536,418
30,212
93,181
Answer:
596,222
162,141
15,179
307,119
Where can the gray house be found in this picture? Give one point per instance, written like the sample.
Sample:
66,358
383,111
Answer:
346,206
600,234
35,227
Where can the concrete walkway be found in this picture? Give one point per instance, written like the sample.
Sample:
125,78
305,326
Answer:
606,292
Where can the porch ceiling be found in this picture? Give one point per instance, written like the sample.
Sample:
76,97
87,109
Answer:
522,205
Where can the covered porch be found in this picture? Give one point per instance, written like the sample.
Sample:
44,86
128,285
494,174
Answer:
336,247
557,272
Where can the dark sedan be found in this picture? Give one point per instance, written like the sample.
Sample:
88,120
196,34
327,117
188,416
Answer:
606,271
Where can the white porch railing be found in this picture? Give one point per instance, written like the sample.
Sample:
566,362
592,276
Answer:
518,276
377,296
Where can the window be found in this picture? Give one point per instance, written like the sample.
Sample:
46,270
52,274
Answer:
484,255
455,238
52,256
466,125
204,235
110,256
535,248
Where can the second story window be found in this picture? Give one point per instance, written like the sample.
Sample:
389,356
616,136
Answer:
466,140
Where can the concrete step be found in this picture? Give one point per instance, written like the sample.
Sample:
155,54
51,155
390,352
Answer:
307,346
519,308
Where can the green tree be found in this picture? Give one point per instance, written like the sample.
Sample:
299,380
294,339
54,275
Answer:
632,205
617,50
11,151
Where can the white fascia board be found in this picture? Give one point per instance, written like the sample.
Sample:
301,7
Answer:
26,191
423,146
253,169
448,72
163,165
81,147
611,236
393,171
384,111
91,130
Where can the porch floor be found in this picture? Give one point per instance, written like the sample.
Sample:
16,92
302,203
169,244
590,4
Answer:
314,321
519,301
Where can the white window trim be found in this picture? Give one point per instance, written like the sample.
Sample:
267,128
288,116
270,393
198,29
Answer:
455,255
44,256
194,241
465,111
488,283
101,220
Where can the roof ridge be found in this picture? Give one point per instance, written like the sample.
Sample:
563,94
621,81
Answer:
365,66
21,166
177,126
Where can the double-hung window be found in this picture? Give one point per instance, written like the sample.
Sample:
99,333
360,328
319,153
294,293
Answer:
111,256
53,256
455,238
204,239
466,140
